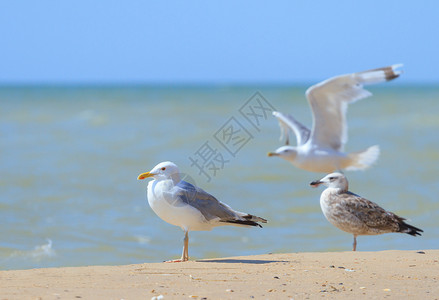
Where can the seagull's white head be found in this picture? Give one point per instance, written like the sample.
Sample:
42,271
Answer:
334,180
164,170
286,152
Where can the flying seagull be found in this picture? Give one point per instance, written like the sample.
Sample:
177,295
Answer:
355,214
185,205
321,149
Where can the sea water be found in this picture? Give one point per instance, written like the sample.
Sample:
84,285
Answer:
70,156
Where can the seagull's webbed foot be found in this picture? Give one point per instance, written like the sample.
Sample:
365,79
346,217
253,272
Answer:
174,260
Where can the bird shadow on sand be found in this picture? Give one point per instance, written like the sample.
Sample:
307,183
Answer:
242,261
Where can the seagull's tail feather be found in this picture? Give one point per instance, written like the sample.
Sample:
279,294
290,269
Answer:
363,159
254,218
407,228
247,219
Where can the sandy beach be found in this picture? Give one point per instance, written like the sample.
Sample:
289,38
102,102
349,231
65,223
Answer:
333,275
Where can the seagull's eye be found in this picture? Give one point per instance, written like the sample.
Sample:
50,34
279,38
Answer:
331,178
163,168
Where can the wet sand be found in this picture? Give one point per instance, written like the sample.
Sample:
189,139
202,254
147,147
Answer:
331,275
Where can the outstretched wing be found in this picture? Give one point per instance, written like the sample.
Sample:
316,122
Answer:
329,100
287,124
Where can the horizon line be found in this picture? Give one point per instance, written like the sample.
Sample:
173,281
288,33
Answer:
168,84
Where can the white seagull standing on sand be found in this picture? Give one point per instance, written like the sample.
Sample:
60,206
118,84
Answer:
321,149
182,204
355,214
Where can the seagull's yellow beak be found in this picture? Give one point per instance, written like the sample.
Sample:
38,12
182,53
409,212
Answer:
271,154
145,175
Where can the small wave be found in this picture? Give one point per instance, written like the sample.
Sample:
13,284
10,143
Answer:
38,253
92,117
143,240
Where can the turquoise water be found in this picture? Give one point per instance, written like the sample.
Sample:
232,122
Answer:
70,157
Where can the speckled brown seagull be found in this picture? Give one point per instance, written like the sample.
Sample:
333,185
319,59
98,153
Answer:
355,214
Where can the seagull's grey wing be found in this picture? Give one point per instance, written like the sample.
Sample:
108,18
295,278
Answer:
287,124
329,100
371,214
211,208
207,204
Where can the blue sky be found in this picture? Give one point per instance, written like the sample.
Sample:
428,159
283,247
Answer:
225,42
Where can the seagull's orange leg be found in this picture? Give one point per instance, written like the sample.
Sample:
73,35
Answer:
355,243
186,247
185,253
